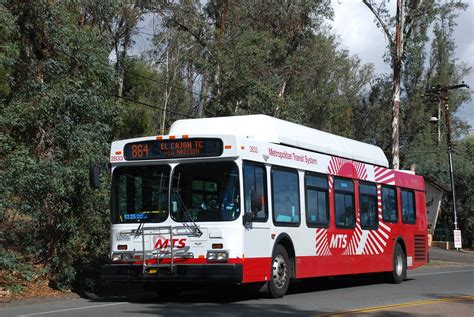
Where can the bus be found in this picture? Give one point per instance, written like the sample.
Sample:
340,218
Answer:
255,199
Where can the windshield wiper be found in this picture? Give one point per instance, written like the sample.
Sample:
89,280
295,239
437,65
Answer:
190,224
140,228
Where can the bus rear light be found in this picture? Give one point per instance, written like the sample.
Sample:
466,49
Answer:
122,247
172,137
217,256
228,147
118,152
217,246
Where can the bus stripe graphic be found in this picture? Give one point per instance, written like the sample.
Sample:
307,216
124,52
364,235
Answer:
365,241
322,243
377,241
384,175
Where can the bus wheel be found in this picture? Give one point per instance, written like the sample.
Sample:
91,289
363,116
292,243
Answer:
399,265
280,280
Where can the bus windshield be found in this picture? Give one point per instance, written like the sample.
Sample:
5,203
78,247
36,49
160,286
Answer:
205,192
140,194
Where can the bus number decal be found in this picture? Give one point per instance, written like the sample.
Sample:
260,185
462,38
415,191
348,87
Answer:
116,158
253,149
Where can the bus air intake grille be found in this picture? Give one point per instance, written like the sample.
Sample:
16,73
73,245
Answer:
420,247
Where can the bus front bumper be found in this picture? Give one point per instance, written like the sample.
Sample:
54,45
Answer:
214,273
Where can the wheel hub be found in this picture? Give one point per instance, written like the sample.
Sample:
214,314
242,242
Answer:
280,271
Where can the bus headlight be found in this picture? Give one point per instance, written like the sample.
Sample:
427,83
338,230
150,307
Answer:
217,256
121,256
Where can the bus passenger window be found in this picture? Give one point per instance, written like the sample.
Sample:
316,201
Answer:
368,206
344,203
317,208
285,197
255,183
389,204
408,206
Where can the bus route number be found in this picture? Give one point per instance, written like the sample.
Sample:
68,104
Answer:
139,150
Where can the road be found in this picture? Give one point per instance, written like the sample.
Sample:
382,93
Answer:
427,291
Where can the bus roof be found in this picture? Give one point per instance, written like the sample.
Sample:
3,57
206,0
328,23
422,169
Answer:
268,129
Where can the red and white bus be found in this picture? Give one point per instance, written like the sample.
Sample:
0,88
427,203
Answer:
251,199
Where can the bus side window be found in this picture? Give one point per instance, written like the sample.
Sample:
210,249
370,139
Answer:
255,183
285,196
408,206
344,203
369,218
317,202
389,204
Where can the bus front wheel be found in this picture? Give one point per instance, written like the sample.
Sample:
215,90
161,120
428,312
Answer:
280,280
399,265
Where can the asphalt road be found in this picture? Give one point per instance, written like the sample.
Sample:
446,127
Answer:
427,291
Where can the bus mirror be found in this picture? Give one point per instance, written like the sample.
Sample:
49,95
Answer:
248,217
94,177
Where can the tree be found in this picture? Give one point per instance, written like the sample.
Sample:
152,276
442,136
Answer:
409,16
251,57
55,120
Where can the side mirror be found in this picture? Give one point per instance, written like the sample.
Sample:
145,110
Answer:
248,217
94,176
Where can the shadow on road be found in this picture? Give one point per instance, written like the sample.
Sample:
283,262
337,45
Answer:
219,294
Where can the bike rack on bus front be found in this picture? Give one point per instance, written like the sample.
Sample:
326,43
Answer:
172,232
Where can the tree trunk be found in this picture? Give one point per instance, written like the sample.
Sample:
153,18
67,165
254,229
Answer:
397,69
121,61
203,94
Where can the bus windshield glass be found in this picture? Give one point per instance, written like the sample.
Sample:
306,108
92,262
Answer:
140,194
205,192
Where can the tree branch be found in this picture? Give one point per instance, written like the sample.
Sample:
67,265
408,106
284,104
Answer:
186,29
379,19
411,18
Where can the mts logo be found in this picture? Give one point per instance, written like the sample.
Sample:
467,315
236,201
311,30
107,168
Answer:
162,243
338,241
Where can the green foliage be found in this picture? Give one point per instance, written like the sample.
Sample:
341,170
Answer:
15,271
56,122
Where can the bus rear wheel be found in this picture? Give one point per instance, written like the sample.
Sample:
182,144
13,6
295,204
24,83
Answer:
280,280
399,266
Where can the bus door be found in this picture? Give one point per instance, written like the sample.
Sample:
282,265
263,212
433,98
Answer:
257,246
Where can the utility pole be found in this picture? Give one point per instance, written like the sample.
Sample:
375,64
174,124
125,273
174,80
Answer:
443,92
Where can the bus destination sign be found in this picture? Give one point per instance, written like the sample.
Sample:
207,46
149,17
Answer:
169,149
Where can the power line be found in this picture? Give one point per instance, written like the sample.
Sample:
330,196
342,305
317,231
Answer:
140,76
157,81
152,106
136,101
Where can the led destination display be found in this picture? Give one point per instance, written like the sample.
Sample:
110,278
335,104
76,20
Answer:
168,149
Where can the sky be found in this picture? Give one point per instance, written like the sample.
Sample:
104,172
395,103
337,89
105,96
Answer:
358,33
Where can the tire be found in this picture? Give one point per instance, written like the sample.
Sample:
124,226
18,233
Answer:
280,270
399,269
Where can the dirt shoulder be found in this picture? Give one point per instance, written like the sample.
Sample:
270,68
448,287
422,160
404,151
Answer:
36,290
